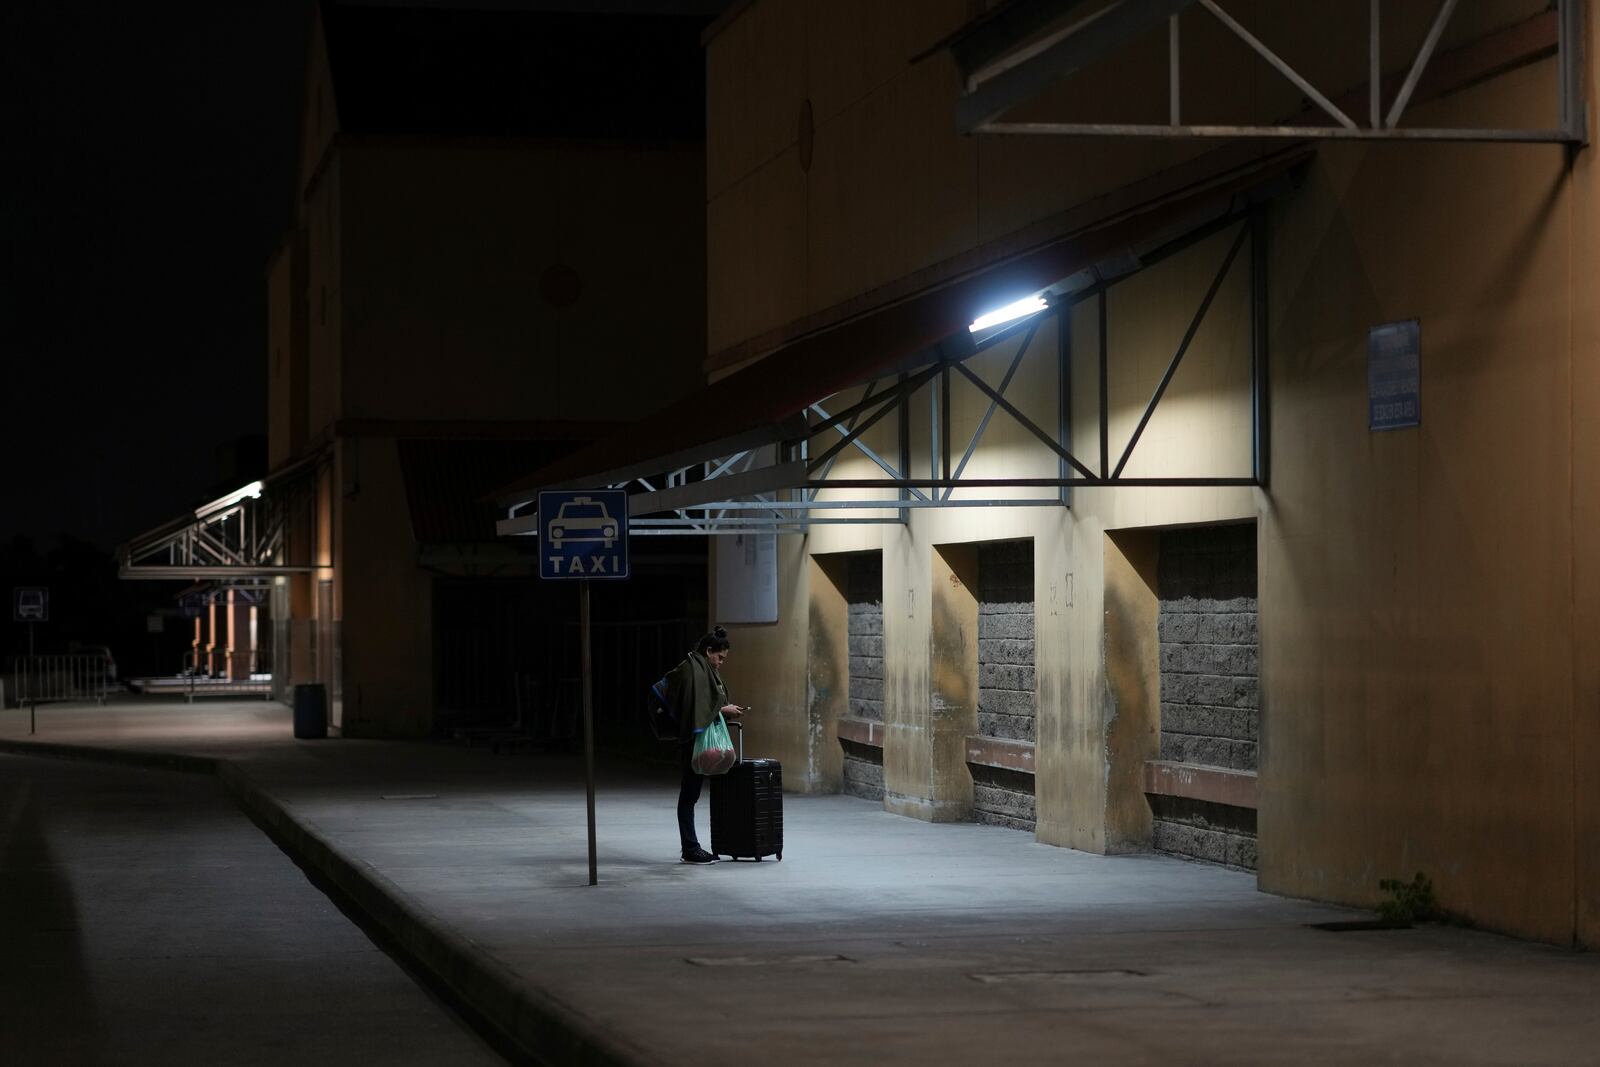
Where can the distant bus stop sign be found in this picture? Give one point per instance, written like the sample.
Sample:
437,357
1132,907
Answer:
583,533
30,604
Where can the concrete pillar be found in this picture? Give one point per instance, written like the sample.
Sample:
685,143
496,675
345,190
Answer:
196,646
827,673
324,640
924,748
216,654
1133,675
302,657
237,657
954,641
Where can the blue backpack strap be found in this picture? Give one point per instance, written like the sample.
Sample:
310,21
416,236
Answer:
665,721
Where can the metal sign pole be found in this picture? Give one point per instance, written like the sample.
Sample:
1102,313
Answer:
588,721
583,533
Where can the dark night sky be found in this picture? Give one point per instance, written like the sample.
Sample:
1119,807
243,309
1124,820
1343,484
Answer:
149,173
148,177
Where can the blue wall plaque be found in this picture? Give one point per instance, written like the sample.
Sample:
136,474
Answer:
1394,375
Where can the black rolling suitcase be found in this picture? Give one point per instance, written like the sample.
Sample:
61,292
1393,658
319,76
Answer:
747,808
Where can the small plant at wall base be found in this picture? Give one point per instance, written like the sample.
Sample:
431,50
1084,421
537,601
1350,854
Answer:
1410,902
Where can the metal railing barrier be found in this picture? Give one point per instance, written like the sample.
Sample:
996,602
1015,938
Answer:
54,679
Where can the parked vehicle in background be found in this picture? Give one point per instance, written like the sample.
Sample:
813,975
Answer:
103,653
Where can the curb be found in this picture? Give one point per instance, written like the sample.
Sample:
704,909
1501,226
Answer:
538,1024
126,757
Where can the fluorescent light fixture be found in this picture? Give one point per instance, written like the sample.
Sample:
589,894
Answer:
253,491
1017,310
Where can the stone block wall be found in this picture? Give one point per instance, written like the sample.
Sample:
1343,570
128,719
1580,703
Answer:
1002,797
1005,640
863,770
1210,652
1199,829
1005,679
1210,693
864,591
863,764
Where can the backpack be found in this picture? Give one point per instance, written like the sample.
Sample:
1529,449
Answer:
663,716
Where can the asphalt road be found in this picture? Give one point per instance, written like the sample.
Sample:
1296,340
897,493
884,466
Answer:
144,920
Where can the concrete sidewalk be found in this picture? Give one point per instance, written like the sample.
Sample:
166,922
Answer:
878,939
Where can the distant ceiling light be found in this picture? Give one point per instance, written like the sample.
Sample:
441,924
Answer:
253,491
1011,311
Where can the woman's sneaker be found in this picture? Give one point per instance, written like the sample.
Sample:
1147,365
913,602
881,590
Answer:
698,855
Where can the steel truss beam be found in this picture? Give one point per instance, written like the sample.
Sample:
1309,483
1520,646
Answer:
1027,68
996,81
775,488
162,571
1183,348
996,398
246,538
892,400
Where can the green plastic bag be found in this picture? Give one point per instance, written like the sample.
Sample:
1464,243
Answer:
713,749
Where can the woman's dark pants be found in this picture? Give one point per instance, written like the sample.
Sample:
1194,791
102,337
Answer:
688,794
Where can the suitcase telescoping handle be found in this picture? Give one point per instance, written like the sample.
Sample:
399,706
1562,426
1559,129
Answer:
738,731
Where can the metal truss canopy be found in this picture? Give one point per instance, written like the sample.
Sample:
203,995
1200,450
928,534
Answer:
1028,46
776,486
239,538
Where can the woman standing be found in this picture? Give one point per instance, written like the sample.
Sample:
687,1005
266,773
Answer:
696,689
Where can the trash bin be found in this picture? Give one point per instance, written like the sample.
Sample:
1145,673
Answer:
310,711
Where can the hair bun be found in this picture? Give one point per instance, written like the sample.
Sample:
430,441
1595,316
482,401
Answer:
714,641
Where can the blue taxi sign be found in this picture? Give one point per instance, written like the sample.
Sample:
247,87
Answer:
583,533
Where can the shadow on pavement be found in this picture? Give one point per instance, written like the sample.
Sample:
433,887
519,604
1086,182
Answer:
46,996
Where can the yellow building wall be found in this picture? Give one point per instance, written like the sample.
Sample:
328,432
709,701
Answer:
1417,604
827,673
767,671
433,258
1429,597
446,253
286,352
1084,797
1583,403
319,111
385,600
893,188
324,277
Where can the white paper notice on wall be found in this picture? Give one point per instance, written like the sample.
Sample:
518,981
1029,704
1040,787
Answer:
747,578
